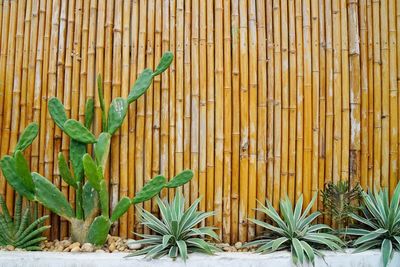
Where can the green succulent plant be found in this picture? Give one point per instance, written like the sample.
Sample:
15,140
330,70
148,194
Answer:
340,201
293,230
381,218
22,231
90,220
176,233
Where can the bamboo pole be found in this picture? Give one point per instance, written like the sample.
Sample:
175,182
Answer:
377,96
210,106
9,70
226,210
139,139
194,101
322,101
292,101
355,94
203,106
134,27
364,94
371,117
219,113
183,150
385,100
125,86
300,101
270,101
315,99
235,122
116,92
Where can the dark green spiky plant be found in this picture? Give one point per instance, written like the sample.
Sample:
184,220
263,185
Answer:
381,219
293,230
23,230
90,221
176,233
340,201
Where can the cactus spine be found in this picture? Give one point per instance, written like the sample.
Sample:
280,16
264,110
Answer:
90,220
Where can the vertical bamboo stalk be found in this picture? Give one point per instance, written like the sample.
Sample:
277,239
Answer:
203,106
134,28
270,101
183,150
300,100
385,100
219,113
170,43
377,97
292,100
41,84
322,101
76,66
315,98
252,88
261,109
3,62
123,157
226,210
364,93
307,172
163,100
15,84
355,93
116,91
194,131
371,117
140,103
9,70
157,97
235,121
285,100
210,109
244,121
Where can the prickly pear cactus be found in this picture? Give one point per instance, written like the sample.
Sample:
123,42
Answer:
90,219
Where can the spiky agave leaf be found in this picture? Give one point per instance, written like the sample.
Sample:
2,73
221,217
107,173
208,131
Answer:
293,230
176,233
381,219
21,231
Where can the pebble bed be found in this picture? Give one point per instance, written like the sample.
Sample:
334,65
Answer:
113,244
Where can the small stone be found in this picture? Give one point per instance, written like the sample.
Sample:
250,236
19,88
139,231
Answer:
222,245
87,247
238,245
49,244
75,246
75,249
100,251
132,245
66,243
10,248
112,247
67,249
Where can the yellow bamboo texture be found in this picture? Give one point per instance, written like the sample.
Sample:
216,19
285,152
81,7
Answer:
265,98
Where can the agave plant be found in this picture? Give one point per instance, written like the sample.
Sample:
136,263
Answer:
294,231
22,231
176,233
381,218
340,201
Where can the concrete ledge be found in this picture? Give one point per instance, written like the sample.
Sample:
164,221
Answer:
370,258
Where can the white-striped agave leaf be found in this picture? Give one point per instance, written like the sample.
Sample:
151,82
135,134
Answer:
381,219
293,230
176,234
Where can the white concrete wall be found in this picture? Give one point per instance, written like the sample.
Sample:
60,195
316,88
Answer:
278,259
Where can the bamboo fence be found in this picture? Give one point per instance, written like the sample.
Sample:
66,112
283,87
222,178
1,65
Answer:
265,98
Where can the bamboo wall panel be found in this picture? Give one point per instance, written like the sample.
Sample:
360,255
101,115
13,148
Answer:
264,99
